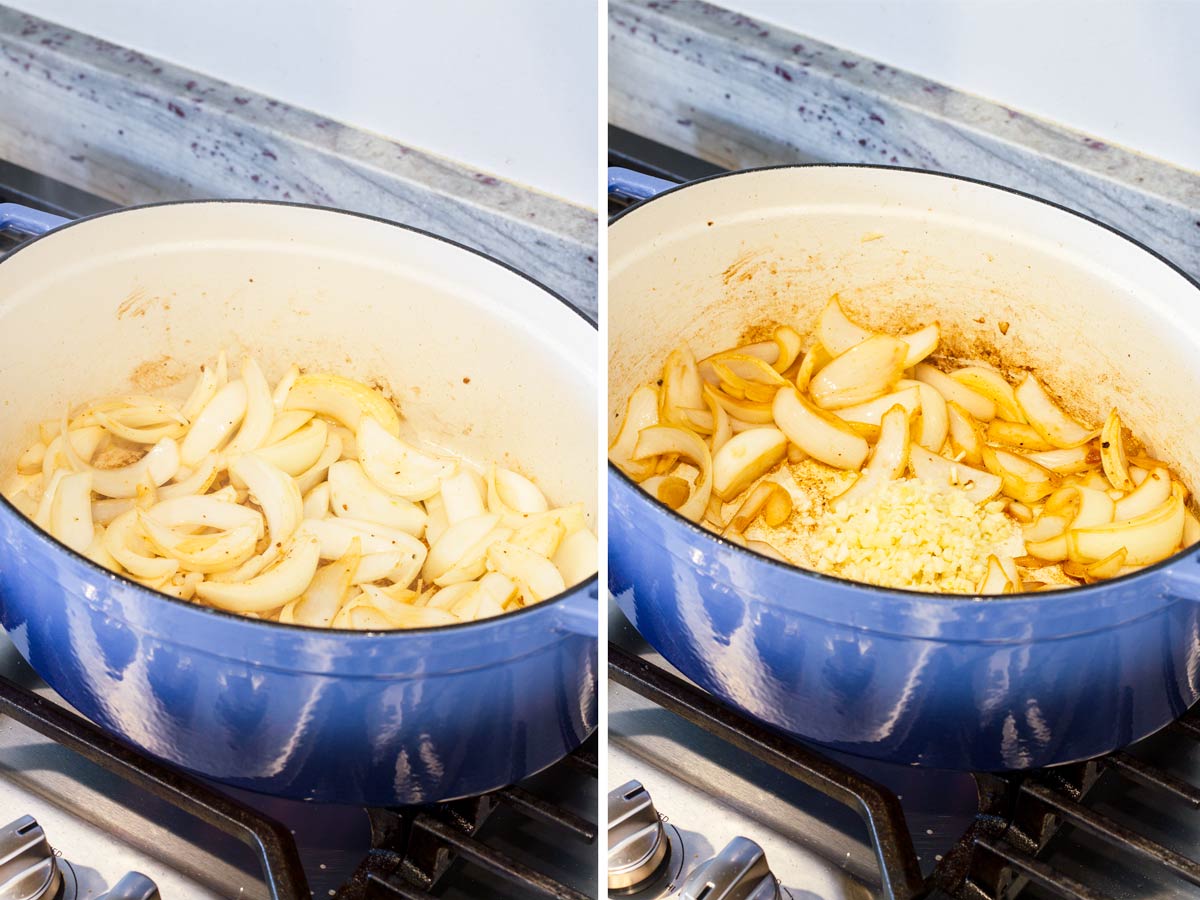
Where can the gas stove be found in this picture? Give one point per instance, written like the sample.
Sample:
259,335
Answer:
85,817
707,803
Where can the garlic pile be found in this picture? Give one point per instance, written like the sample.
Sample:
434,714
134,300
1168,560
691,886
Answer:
713,438
301,504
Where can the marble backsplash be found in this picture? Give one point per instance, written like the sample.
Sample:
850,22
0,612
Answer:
740,93
134,129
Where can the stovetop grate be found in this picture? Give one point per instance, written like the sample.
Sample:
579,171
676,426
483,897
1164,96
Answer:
1019,814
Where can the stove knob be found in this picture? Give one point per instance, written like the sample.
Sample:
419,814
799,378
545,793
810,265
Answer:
28,869
637,845
134,886
739,872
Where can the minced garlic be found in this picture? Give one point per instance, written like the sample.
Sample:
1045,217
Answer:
908,534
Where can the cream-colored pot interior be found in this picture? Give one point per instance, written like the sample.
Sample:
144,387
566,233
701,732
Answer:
1014,281
481,361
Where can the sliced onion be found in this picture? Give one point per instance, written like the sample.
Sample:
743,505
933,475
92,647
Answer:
1046,527
789,342
537,576
71,512
283,388
681,387
519,493
316,501
215,423
767,351
436,522
1014,434
201,553
84,442
747,377
744,410
299,451
871,412
836,332
934,425
1109,567
978,485
287,423
279,584
750,507
197,481
658,440
274,491
157,467
542,536
1022,480
996,580
352,495
124,542
862,373
1146,538
888,459
445,598
327,591
746,457
979,406
819,434
397,466
1112,454
212,378
1054,425
146,435
1068,461
966,437
30,461
994,386
462,497
306,481
208,511
640,412
334,537
260,410
343,399
722,429
921,343
577,557
1151,493
454,543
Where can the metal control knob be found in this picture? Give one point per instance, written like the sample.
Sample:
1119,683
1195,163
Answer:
739,872
134,886
637,845
28,868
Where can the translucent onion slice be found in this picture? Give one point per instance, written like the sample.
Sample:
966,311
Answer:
1068,461
462,496
996,580
308,480
871,412
502,589
30,461
978,485
274,491
535,575
352,495
201,553
518,492
397,466
815,360
316,501
681,386
275,586
888,459
334,537
921,343
640,412
862,373
542,536
750,507
215,423
819,434
1054,425
1095,508
157,467
476,605
208,511
836,331
934,424
658,440
454,544
327,591
197,481
577,557
1022,480
1014,434
283,388
1147,538
436,523
767,351
789,342
1112,454
299,451
146,435
125,543
343,399
1151,493
1109,567
747,377
749,411
84,442
260,410
71,512
286,424
472,564
979,406
989,383
1046,527
445,598
210,381
746,457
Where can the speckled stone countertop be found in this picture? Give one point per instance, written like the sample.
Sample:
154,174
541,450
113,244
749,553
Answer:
136,130
740,93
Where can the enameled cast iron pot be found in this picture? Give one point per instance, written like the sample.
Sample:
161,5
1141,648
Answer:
1006,683
137,299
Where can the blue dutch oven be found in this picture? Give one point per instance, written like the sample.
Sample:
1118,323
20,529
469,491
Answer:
954,682
480,358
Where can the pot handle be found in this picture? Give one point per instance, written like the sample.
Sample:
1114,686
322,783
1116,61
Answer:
580,612
14,217
635,185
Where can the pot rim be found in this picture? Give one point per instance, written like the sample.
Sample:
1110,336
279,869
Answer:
1039,597
267,626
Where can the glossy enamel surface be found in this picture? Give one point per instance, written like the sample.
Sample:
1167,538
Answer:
955,683
401,717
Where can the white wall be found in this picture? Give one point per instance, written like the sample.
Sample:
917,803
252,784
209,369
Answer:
1126,71
506,86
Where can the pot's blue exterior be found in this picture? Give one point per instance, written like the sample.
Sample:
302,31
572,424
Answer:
912,678
401,717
